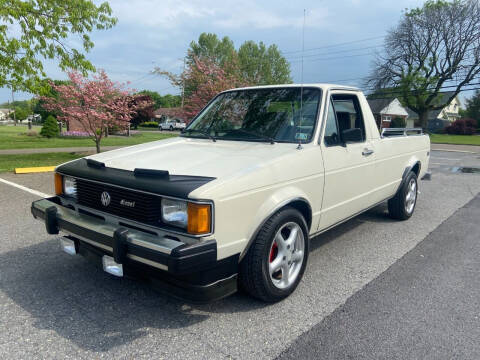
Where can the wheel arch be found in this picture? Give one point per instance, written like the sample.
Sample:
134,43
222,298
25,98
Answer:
299,203
415,166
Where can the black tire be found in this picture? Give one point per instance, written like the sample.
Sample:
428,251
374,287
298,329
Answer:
254,276
397,206
171,128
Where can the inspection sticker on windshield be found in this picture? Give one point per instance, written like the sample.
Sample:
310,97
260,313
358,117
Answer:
301,136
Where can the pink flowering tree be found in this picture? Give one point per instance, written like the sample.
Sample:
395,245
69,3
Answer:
96,104
203,79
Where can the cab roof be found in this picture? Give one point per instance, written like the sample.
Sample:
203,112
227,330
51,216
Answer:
322,86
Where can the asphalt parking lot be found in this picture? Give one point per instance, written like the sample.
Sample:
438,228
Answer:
53,305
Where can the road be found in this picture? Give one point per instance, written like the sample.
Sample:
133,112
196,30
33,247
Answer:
58,306
425,306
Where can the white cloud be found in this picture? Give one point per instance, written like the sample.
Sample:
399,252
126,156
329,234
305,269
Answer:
227,14
166,14
251,15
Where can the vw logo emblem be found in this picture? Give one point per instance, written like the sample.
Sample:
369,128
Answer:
105,198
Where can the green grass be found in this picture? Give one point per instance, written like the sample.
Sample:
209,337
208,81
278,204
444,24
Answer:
455,139
14,137
10,162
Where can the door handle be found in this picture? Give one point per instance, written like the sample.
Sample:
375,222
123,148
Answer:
367,152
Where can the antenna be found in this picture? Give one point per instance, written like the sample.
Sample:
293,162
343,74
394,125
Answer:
299,147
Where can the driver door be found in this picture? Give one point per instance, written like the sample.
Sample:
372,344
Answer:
349,165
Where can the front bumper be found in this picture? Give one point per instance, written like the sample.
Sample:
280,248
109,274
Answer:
190,271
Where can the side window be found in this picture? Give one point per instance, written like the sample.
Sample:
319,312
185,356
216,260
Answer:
349,114
331,136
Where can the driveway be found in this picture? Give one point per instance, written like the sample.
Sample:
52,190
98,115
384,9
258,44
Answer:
58,306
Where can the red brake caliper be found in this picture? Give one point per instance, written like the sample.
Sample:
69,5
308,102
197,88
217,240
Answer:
273,251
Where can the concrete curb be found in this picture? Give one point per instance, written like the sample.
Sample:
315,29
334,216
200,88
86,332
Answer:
30,170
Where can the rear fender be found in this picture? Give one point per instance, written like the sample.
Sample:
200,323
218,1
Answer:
413,164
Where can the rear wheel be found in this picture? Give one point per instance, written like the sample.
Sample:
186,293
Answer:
276,261
402,205
171,128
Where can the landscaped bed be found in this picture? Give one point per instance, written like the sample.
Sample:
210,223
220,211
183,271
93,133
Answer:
455,139
15,137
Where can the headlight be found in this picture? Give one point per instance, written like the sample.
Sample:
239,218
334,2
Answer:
70,186
195,218
174,212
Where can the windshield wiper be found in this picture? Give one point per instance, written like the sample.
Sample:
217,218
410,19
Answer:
203,132
258,136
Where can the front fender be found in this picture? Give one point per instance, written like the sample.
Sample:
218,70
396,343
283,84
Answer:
276,201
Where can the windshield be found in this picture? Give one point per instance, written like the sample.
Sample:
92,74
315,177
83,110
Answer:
274,115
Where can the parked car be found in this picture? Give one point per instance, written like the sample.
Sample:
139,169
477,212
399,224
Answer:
236,199
172,125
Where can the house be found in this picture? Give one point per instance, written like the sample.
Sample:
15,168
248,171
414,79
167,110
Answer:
4,113
439,119
385,110
164,114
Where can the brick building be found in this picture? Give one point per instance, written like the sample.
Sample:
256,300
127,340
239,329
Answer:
385,110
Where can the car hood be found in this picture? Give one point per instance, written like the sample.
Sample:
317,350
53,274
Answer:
196,157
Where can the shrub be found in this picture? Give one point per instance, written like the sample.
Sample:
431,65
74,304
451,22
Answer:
50,127
31,133
151,124
113,129
398,122
462,127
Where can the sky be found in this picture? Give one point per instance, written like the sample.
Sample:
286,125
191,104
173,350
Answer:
340,38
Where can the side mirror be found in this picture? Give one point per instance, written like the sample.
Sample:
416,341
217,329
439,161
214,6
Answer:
352,135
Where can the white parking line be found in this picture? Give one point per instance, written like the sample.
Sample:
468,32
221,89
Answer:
459,151
443,158
24,188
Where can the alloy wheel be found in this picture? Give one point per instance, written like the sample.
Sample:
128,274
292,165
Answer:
286,255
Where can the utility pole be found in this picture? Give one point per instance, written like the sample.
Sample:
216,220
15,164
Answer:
183,83
13,106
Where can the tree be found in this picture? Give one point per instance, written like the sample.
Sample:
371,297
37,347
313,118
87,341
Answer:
261,65
35,29
430,47
50,127
145,107
21,113
96,104
170,101
210,46
165,101
48,91
257,63
252,64
398,122
473,107
211,79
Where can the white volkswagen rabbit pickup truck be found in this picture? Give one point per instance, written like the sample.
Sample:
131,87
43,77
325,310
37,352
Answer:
234,201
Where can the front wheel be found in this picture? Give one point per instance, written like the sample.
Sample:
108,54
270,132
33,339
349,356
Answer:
276,261
402,205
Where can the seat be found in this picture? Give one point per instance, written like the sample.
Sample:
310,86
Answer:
343,121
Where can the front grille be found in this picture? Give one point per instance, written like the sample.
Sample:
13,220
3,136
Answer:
147,208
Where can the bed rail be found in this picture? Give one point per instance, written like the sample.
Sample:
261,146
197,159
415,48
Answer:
386,132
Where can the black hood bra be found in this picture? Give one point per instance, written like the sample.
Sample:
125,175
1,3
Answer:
158,182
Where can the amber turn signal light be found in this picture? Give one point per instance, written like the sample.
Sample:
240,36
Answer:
58,184
199,218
